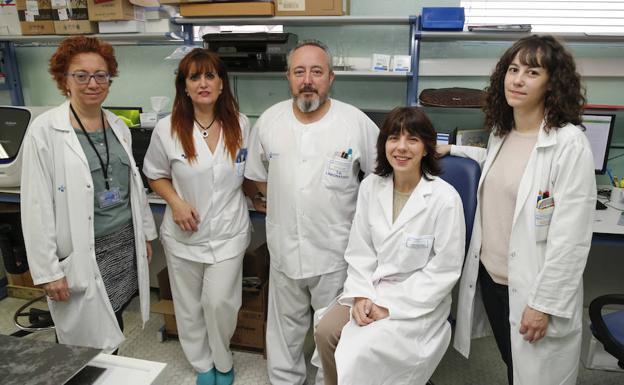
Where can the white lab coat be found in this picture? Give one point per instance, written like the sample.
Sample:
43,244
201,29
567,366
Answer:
409,267
546,262
57,220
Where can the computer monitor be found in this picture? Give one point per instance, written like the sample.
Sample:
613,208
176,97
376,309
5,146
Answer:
598,127
130,115
14,122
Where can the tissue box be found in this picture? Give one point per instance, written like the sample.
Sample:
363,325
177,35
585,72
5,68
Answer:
442,18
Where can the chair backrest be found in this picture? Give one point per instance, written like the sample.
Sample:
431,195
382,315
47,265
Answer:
463,174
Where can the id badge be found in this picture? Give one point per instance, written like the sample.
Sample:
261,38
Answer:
338,168
108,198
413,242
240,169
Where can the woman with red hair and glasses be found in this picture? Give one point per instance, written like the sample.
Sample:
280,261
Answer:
196,161
86,222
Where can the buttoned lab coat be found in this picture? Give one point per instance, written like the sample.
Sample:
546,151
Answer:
310,206
409,267
57,220
546,261
212,185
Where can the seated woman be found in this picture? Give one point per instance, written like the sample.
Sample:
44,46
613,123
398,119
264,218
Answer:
405,254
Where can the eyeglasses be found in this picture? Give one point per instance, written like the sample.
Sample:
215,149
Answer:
82,77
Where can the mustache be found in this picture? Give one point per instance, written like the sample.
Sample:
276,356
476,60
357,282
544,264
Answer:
308,89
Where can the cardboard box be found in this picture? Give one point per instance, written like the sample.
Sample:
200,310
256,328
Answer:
251,325
311,7
35,17
256,300
256,263
250,330
254,8
105,10
121,26
9,20
75,27
165,307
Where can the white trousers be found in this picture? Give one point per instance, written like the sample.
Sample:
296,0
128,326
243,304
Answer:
291,304
206,300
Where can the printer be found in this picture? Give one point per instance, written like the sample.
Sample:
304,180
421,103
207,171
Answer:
249,52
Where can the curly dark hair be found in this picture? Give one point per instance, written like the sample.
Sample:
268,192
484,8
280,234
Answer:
564,99
72,46
414,121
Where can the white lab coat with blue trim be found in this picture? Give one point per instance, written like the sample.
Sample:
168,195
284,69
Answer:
408,267
57,220
545,263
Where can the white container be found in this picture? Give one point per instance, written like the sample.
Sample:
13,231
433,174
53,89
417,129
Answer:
617,198
401,63
380,62
593,355
9,20
122,26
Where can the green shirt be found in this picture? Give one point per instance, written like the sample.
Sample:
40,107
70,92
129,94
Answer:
110,219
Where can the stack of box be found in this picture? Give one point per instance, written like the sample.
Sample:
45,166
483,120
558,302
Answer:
311,7
117,16
71,17
251,326
226,8
35,17
9,21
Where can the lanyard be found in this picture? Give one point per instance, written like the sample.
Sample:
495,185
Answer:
104,166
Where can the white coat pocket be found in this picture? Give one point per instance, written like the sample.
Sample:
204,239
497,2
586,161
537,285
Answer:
414,252
337,173
543,217
75,272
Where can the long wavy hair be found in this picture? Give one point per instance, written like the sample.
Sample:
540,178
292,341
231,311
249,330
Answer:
415,122
226,108
565,96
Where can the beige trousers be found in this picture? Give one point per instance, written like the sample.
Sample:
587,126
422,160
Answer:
327,335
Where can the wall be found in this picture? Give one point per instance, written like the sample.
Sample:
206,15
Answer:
144,73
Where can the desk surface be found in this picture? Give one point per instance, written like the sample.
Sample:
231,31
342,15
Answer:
605,221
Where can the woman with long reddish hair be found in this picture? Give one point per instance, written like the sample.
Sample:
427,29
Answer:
196,161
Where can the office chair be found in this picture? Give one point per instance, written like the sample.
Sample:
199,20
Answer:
463,174
609,328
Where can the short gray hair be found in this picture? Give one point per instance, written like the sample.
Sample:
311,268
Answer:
314,43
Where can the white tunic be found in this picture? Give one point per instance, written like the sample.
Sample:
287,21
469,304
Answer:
547,254
409,267
312,187
57,221
212,185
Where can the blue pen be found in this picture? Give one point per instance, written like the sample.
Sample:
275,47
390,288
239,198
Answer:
349,153
611,177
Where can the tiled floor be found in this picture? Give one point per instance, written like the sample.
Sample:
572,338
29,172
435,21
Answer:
483,368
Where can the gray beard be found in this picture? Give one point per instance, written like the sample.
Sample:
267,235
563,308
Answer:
309,105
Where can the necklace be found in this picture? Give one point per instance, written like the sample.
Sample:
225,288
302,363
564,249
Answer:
204,130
